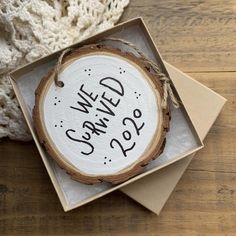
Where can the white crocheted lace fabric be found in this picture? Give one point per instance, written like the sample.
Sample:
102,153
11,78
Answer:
30,29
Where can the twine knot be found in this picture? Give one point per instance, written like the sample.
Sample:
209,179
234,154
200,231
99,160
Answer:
167,91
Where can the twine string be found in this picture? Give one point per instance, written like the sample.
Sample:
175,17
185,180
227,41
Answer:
58,82
167,88
166,82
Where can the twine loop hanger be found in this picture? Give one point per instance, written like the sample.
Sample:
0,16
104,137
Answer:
166,82
58,82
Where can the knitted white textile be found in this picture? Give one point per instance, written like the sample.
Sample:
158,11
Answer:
30,29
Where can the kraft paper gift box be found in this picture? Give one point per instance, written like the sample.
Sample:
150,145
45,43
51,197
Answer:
182,139
154,190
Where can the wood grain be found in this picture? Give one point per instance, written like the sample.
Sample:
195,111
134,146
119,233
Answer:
193,35
199,37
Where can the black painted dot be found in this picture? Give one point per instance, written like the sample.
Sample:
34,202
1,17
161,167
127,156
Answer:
105,157
61,121
139,94
59,101
120,72
124,71
85,70
55,125
96,115
89,74
135,92
89,69
55,104
61,126
105,163
137,97
110,160
55,97
120,68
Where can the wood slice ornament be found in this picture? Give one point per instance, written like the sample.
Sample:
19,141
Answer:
100,115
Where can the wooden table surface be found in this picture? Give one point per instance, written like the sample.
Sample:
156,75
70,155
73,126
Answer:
199,37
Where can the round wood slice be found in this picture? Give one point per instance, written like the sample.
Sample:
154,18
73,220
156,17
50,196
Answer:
106,123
